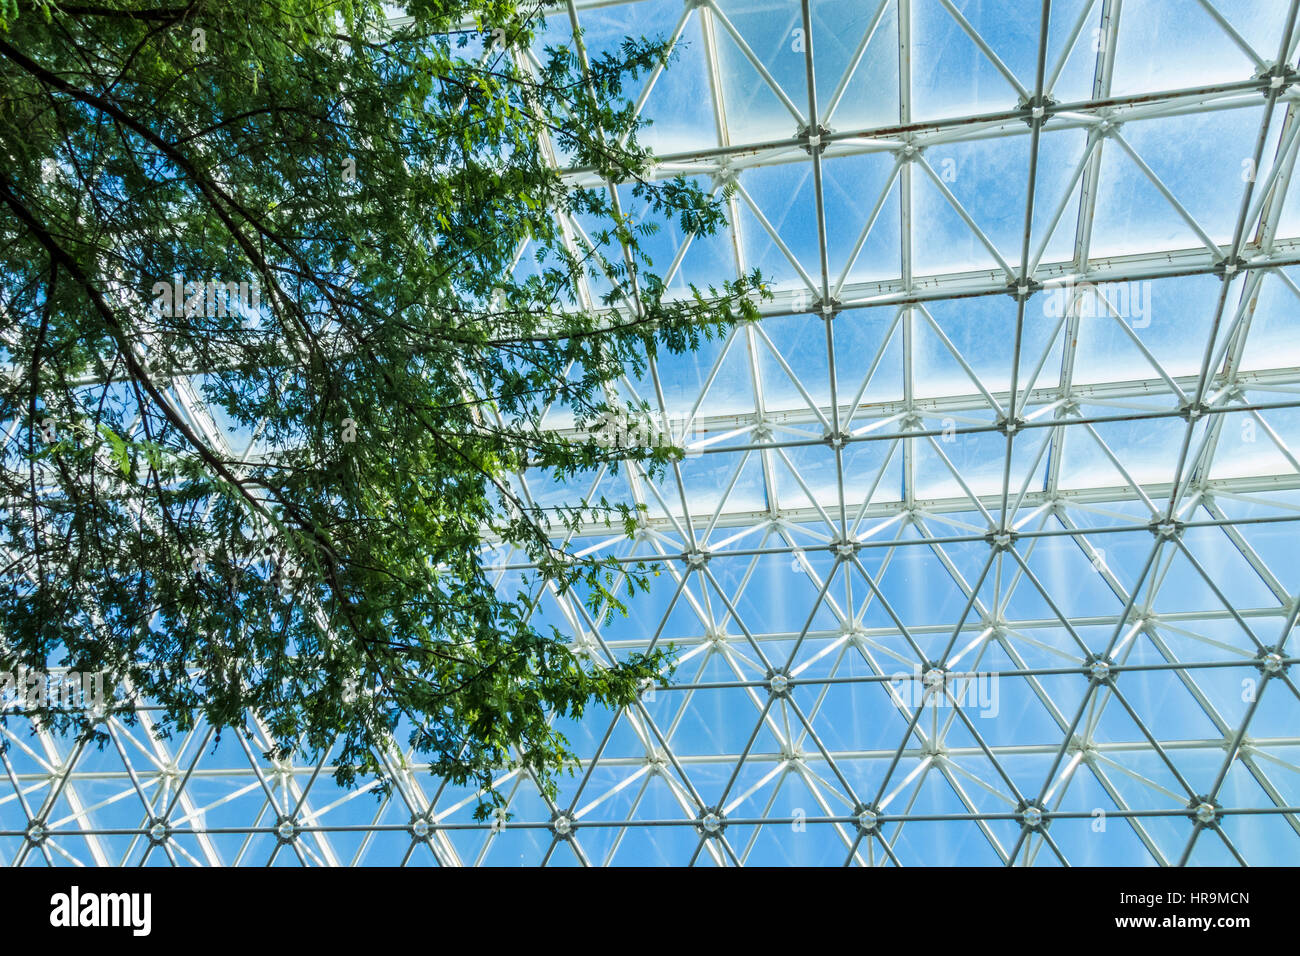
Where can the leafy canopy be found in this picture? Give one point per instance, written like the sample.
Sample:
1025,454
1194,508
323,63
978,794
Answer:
394,197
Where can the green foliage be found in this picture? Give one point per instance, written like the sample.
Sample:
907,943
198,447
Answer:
377,185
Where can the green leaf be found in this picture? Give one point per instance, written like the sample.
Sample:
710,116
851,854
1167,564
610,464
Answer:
117,448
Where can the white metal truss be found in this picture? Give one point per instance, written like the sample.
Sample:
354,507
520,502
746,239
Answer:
968,563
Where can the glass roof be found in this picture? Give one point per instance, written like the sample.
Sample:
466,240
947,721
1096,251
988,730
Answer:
983,550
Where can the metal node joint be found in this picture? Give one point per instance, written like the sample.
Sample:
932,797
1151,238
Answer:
1277,77
1020,291
844,550
829,308
1193,411
1228,268
695,559
421,828
813,137
911,421
1001,540
159,831
854,634
1033,815
724,175
1205,811
1271,662
711,822
1168,529
835,439
1100,670
286,831
779,683
563,823
933,680
867,816
1035,109
1010,426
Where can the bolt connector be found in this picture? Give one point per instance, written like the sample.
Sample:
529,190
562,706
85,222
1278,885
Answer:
813,137
835,439
286,831
844,550
1020,291
1010,426
867,816
1001,540
695,559
933,680
421,828
563,823
1271,663
1228,268
1276,78
159,831
1169,530
1107,126
1100,670
36,833
829,308
1035,109
1033,815
1193,411
724,175
779,683
711,822
1205,811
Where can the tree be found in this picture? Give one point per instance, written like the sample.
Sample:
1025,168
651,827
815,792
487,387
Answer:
343,234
